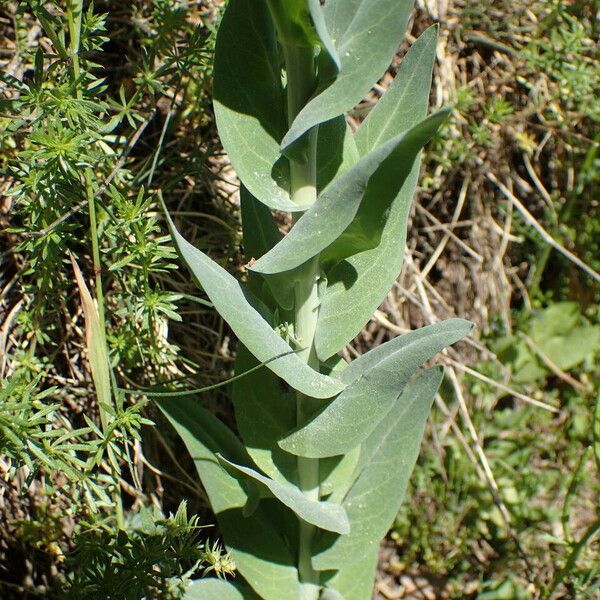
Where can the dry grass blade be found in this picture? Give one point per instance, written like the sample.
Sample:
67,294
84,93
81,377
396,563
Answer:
529,218
485,465
96,347
503,387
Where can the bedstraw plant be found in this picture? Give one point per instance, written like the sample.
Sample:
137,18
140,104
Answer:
305,492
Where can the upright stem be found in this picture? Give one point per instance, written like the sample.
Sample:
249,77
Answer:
301,81
306,314
300,70
74,15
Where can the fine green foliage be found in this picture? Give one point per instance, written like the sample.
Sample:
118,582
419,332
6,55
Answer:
142,562
82,156
326,448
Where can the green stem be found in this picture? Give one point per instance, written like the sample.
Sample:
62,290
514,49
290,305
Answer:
306,315
74,15
95,248
300,72
301,82
116,495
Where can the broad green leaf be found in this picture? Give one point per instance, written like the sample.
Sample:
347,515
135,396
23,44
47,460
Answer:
390,454
294,22
95,342
318,19
526,366
325,515
337,474
351,417
366,35
358,285
455,328
259,228
355,578
232,302
403,106
260,235
249,101
559,333
564,335
337,205
264,412
330,594
336,151
216,589
405,103
259,551
204,436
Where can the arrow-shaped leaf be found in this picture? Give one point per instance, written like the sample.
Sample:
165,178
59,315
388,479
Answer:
264,412
366,34
392,451
325,515
351,417
249,101
216,589
232,302
318,19
355,577
374,243
258,548
337,205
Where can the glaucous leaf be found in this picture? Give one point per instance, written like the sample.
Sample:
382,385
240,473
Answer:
258,548
260,235
258,225
264,412
249,101
455,328
318,19
366,34
215,589
403,106
339,202
325,515
330,594
337,474
350,418
355,577
405,103
336,151
358,284
390,455
236,306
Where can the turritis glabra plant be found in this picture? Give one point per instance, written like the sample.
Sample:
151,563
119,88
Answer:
306,491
